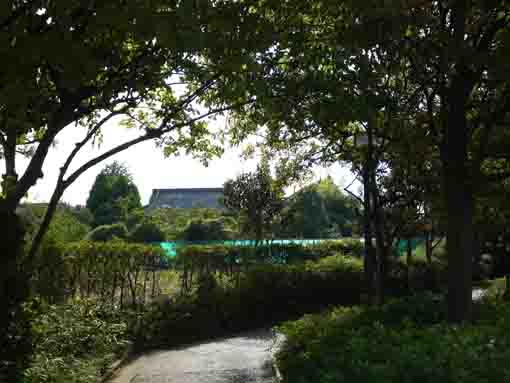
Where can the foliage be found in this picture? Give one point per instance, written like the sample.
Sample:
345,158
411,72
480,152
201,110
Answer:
75,342
105,233
256,196
174,222
82,214
65,227
113,196
319,210
403,341
223,257
69,64
339,70
260,296
147,232
114,272
208,230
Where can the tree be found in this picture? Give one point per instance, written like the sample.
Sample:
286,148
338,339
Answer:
113,196
74,62
207,230
319,210
147,232
257,197
440,65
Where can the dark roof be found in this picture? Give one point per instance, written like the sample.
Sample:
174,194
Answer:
183,190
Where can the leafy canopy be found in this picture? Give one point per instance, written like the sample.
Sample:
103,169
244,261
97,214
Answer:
113,196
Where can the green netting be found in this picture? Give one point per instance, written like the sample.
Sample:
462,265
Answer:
171,247
401,247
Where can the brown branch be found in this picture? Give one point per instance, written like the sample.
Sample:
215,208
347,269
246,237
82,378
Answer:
60,187
62,184
151,134
358,198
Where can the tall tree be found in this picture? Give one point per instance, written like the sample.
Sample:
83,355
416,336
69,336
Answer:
319,210
256,196
382,64
86,62
113,195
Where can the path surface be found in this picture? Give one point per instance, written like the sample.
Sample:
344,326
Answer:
477,293
246,358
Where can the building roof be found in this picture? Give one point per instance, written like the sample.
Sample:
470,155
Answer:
184,190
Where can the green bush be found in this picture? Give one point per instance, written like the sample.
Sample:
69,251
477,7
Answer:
352,247
75,342
108,232
263,295
85,269
407,340
147,232
208,230
267,252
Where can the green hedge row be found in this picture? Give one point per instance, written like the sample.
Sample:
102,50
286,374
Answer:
223,256
264,295
115,271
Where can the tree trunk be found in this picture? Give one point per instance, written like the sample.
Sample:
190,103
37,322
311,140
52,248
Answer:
459,206
14,291
382,253
409,255
376,214
370,260
430,281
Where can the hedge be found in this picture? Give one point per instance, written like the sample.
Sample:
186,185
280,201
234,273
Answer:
407,340
261,296
115,271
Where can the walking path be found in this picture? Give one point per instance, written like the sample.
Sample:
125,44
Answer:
245,358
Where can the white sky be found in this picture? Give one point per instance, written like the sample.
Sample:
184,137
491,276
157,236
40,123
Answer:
147,164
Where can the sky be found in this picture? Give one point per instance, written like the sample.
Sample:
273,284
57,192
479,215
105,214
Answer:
147,164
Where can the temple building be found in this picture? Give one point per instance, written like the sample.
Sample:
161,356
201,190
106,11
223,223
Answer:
186,198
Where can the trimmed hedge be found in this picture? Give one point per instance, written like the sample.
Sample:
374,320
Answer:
263,295
113,271
265,252
407,340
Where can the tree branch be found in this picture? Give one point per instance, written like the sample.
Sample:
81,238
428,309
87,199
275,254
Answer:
151,134
60,187
358,198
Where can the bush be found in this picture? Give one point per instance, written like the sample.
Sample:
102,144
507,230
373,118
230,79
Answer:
147,232
75,342
208,230
108,232
262,296
114,271
406,340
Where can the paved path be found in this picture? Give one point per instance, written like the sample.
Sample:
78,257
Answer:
477,293
241,359
245,358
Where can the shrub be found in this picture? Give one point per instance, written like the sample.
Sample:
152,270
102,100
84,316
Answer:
108,232
404,341
147,232
207,230
75,342
263,295
114,271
